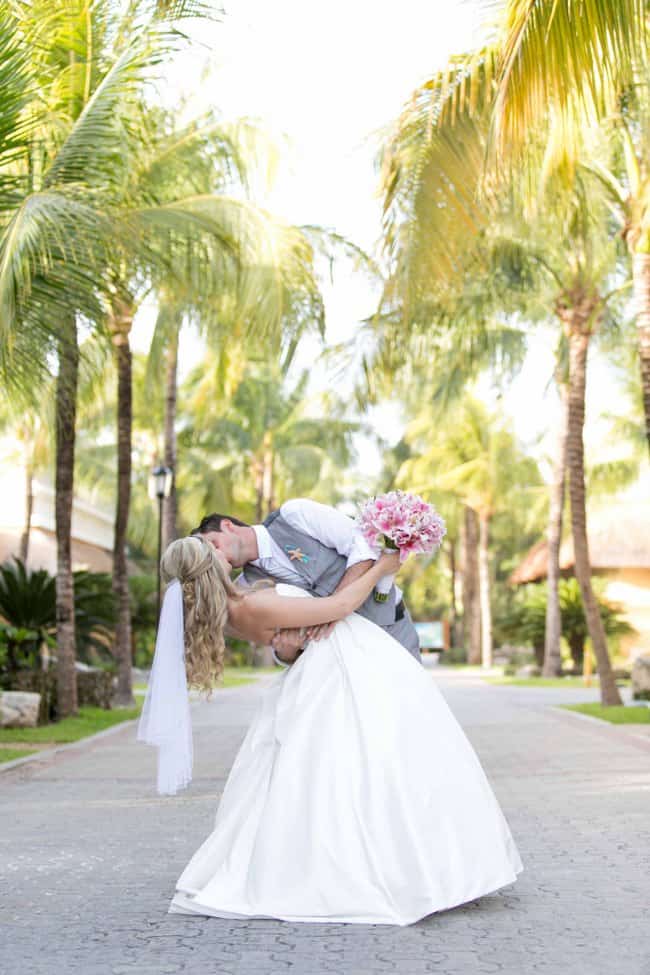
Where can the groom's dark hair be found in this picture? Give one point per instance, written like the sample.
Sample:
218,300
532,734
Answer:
212,523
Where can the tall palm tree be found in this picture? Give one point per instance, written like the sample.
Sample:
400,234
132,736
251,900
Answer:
237,326
452,112
477,458
70,71
266,444
563,69
31,431
50,244
471,587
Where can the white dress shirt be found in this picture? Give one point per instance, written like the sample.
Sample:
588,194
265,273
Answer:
321,522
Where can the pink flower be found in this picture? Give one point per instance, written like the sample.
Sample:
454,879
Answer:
405,519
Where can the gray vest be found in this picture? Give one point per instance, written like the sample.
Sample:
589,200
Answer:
320,568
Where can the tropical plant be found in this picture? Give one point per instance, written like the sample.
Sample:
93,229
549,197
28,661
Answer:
31,432
267,438
447,116
574,622
474,456
67,71
562,71
144,589
28,606
526,621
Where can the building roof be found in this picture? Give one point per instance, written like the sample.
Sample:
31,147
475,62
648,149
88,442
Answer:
619,538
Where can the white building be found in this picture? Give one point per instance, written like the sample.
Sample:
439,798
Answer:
92,528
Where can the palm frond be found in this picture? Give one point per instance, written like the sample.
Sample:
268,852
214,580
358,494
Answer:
554,51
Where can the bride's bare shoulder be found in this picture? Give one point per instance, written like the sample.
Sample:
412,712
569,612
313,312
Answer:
257,598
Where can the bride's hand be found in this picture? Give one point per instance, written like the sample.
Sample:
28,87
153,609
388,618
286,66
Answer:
389,562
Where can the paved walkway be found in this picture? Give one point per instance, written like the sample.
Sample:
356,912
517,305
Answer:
89,858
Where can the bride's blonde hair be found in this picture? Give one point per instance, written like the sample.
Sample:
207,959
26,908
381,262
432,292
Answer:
206,589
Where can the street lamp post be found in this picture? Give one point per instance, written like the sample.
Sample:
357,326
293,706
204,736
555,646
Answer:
160,486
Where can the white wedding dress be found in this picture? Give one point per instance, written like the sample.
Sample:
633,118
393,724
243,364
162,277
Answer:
355,796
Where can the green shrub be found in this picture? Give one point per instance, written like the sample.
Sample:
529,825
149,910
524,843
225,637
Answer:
94,689
574,623
143,591
28,607
517,660
526,622
455,655
239,653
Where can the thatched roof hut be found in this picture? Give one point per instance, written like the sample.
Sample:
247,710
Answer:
619,548
619,538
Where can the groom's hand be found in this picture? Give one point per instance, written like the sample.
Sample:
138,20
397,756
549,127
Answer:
319,632
289,644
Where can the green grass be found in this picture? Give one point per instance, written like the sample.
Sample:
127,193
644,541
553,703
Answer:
615,714
91,720
8,754
236,676
233,676
87,722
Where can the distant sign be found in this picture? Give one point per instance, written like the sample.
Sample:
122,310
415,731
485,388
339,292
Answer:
431,635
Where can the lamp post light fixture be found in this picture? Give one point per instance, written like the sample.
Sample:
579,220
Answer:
160,486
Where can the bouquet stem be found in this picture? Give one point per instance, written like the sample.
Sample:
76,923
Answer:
385,584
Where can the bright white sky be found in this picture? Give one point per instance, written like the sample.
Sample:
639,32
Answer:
329,77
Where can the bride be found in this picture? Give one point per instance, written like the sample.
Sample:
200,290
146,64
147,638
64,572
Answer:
355,795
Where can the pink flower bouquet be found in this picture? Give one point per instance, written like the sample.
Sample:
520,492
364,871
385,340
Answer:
399,520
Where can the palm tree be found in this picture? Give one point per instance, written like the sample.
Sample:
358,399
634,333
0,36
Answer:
237,326
447,115
552,666
50,239
32,433
471,587
70,72
564,71
554,59
477,458
266,439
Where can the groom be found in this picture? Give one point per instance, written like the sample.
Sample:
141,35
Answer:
312,546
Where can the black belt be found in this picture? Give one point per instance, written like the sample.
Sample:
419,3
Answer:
399,611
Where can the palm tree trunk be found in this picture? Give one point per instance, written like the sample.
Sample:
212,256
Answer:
552,657
641,276
471,592
258,478
267,474
121,321
29,508
453,614
66,413
484,588
170,504
578,349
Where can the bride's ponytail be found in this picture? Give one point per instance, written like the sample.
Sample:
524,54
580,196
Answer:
206,588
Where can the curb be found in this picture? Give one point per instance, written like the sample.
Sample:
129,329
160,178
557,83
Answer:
71,745
618,731
66,746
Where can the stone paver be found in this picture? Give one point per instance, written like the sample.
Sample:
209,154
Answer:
89,857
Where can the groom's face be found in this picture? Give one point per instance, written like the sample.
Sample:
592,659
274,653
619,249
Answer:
228,543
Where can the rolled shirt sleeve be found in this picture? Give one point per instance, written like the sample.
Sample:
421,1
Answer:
329,527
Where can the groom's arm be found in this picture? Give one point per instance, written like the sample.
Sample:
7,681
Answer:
354,572
289,644
335,530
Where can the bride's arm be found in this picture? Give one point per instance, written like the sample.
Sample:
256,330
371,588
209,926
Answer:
288,612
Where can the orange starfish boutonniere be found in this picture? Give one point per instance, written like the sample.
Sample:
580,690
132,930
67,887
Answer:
295,555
